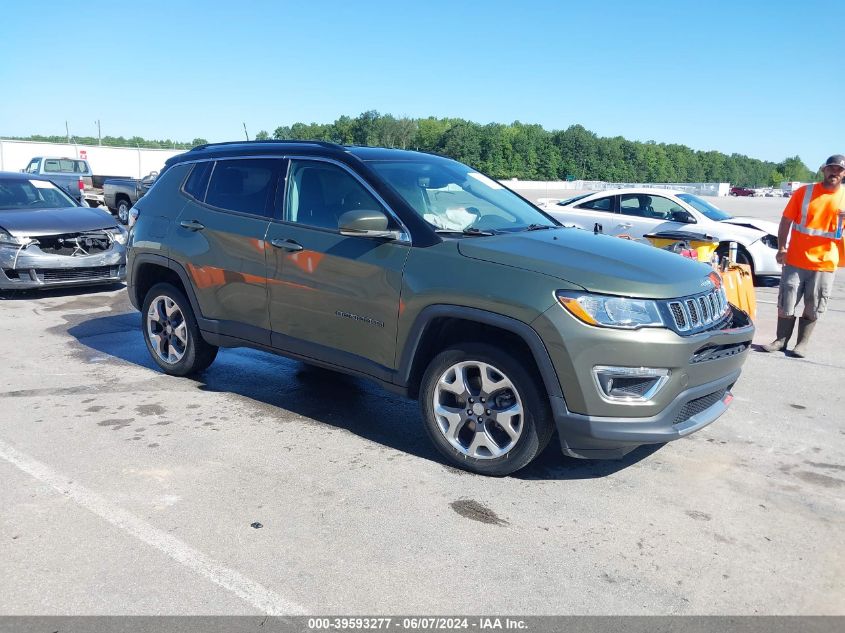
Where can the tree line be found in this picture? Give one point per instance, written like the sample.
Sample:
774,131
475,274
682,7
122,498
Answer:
112,141
525,151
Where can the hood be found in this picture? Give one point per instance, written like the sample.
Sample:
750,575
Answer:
597,263
767,226
35,222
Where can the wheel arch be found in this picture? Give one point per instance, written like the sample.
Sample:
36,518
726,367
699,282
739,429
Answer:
441,326
724,246
149,269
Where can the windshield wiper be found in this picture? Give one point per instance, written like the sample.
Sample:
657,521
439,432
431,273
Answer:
540,227
467,231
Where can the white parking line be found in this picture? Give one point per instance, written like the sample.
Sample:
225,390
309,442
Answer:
249,591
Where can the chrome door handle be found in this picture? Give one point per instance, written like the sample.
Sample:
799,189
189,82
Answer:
192,225
288,245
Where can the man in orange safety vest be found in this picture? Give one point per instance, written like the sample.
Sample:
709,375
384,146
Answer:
812,222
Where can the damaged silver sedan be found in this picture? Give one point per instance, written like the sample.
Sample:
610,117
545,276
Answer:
47,239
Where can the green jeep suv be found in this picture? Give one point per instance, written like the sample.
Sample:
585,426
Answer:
434,280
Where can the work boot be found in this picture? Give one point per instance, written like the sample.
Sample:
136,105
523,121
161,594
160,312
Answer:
805,330
784,333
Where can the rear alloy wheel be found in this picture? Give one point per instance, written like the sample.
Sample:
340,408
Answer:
171,332
483,411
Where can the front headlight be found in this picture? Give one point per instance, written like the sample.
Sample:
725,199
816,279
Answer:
770,240
7,239
610,311
119,234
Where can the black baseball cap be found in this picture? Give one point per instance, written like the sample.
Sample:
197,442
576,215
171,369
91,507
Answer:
837,159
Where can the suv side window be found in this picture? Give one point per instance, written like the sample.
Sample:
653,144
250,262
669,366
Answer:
32,168
319,193
197,182
244,185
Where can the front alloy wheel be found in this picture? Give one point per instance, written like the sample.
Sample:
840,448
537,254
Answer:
123,211
485,410
478,410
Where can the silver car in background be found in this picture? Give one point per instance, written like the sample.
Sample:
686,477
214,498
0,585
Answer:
47,239
639,211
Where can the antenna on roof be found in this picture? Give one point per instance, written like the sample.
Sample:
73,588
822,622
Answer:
245,132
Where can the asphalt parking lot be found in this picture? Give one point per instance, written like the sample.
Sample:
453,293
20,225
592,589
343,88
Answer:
268,486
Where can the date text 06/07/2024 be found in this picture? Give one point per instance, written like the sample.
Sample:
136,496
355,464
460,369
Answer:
415,623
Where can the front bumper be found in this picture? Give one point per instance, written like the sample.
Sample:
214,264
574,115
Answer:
702,369
33,268
94,199
593,437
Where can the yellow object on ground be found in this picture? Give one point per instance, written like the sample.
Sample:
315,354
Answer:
704,248
739,287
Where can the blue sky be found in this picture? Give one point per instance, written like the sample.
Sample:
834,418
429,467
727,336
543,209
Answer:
758,78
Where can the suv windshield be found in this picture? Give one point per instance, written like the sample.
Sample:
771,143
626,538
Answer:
453,197
702,206
32,194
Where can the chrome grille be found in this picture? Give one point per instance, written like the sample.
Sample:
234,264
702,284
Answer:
678,315
705,309
699,312
693,312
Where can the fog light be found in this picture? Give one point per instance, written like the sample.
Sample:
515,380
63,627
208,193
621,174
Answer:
629,384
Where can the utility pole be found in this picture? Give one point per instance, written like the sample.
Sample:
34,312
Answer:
67,131
245,132
99,140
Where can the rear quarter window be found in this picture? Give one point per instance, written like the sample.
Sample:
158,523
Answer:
600,204
197,182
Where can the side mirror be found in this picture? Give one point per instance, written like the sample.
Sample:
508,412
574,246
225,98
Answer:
682,216
366,223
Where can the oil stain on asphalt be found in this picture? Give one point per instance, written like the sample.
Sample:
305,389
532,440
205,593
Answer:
470,509
150,409
820,480
116,424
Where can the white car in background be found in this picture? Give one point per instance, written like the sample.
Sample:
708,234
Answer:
638,211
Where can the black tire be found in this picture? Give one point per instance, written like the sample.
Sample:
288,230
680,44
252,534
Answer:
742,255
195,354
535,423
